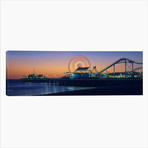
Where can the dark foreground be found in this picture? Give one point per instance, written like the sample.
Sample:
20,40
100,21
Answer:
108,90
75,87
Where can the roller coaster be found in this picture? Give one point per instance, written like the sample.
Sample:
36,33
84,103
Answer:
82,69
122,60
138,69
82,75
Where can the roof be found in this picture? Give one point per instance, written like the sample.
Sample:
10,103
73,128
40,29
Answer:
82,68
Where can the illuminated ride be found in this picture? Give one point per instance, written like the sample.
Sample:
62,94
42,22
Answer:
81,74
78,61
79,67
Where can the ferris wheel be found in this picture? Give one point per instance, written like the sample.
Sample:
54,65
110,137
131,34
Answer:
78,61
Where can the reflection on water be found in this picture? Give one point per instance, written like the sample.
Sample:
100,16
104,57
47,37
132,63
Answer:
19,88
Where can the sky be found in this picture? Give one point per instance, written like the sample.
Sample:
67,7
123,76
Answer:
55,63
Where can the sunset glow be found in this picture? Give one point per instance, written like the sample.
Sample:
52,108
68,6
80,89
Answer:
55,63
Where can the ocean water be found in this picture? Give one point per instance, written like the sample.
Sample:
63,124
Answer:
20,88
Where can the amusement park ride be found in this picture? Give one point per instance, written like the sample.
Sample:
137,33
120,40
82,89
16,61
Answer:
81,74
80,67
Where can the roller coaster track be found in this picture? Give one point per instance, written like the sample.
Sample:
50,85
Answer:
122,60
138,68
